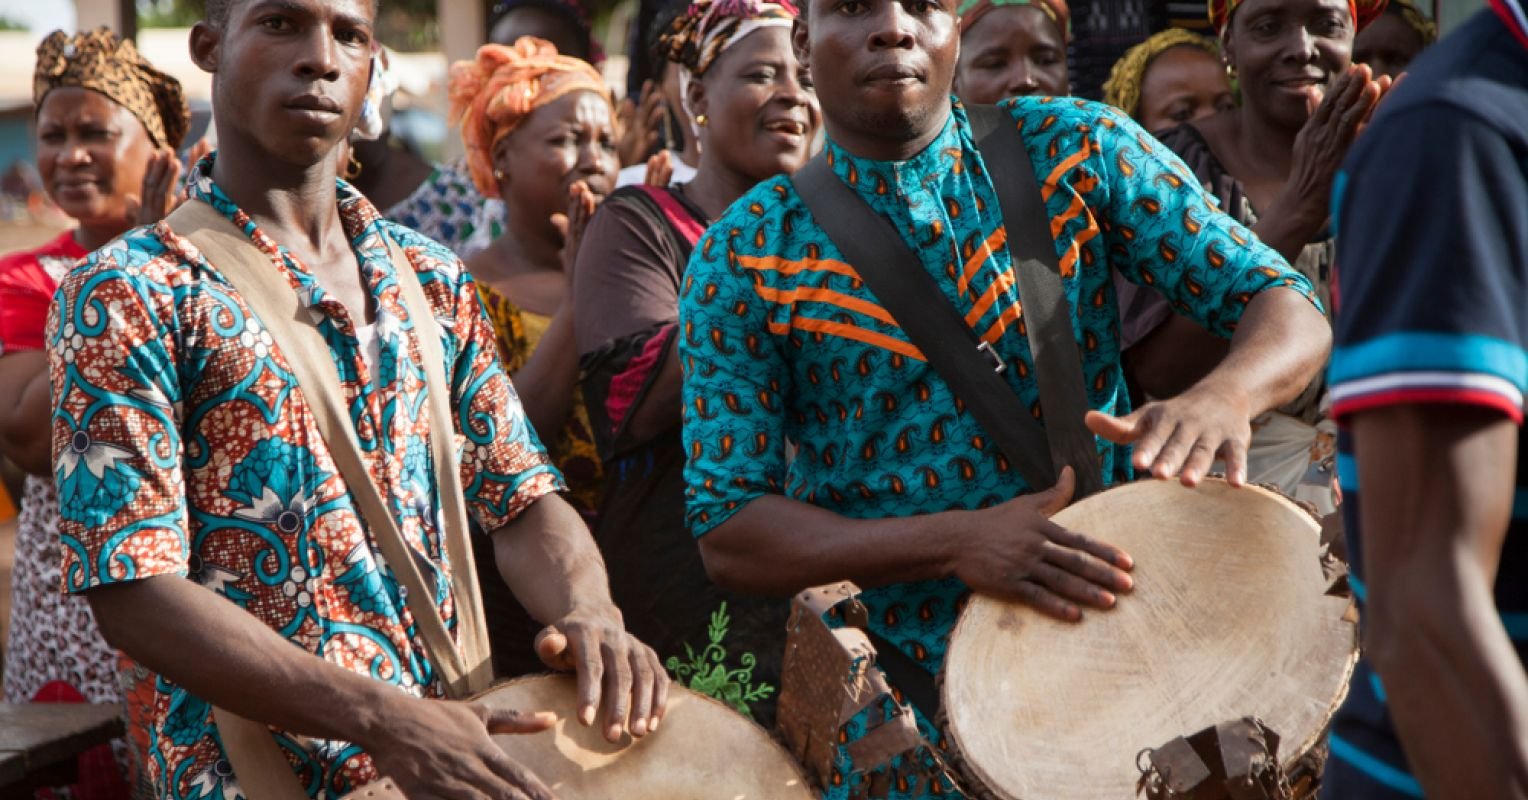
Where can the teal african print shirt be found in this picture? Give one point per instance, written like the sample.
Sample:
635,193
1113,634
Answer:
782,341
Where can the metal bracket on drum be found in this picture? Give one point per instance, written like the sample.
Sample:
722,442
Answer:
1236,760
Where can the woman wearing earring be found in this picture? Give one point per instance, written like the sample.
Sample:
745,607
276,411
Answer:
108,124
1270,162
539,134
756,117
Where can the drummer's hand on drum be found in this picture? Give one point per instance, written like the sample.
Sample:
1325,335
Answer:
443,749
1016,552
616,672
1183,436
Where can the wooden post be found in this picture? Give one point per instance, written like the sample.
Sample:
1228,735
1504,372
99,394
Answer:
463,29
119,15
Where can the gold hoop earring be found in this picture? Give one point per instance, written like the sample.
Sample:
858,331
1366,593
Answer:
498,174
353,169
702,120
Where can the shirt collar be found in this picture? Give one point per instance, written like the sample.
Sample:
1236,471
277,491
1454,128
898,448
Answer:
359,217
875,179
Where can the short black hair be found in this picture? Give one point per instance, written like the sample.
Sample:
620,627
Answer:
217,11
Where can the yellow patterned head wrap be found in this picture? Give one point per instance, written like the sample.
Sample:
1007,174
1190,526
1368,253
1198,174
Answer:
103,62
492,94
1123,88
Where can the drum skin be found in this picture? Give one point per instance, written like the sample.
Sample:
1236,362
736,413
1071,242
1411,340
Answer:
702,751
1229,617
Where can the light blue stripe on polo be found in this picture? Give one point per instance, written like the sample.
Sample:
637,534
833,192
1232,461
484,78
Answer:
1347,472
1379,688
1339,188
1448,352
1360,591
1394,778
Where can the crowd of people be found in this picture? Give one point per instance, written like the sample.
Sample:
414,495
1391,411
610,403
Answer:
609,388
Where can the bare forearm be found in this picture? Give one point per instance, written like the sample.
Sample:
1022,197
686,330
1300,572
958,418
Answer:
221,654
1432,545
1280,345
549,560
25,435
778,546
549,378
1454,685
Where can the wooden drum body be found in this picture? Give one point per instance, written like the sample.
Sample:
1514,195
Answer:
1230,618
702,751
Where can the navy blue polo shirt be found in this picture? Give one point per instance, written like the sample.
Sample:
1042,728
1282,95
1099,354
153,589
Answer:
1431,210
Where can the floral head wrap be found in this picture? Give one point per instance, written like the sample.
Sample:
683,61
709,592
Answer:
492,94
1123,88
1057,10
708,27
103,62
1363,11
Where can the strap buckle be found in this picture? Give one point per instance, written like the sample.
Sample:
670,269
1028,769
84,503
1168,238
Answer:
998,365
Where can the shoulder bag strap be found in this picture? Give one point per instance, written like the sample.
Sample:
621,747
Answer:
249,746
1047,314
897,277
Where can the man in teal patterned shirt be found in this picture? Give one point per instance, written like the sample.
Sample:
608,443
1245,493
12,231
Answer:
894,486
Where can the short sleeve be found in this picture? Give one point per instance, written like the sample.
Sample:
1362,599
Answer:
1165,233
116,441
1430,266
627,275
26,291
735,383
504,466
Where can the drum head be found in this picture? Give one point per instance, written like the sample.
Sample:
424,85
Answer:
1228,618
702,751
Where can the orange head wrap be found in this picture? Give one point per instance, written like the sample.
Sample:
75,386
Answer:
492,94
1363,12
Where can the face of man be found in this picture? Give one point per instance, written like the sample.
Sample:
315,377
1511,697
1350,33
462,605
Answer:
289,76
882,70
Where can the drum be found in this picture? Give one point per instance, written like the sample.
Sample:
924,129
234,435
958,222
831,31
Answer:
703,750
1235,614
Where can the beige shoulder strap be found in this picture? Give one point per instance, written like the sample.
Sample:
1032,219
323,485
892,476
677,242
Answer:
251,750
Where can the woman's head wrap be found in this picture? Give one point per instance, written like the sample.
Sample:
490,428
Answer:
1057,10
1419,22
708,27
492,94
103,62
1363,11
1123,88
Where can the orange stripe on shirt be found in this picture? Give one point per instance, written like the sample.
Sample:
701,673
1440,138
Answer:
786,266
819,295
1075,208
1053,181
1004,282
1009,315
1069,261
841,330
998,238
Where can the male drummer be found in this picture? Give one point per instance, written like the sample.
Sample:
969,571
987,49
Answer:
894,486
1428,379
202,511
